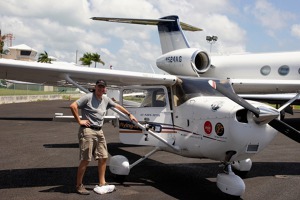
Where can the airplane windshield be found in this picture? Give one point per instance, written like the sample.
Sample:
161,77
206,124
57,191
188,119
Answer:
195,87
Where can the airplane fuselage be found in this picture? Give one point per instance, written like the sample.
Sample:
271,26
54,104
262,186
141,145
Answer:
213,126
197,120
258,73
275,66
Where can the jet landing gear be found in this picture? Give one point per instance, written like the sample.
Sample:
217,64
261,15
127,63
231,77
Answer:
228,182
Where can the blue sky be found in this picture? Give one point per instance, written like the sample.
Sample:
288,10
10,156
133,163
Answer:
63,27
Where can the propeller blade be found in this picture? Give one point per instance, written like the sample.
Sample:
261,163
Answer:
226,89
285,129
289,102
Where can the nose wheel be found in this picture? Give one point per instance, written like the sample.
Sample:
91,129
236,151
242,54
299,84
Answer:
230,183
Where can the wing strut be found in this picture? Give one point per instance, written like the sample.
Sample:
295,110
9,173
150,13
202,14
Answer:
175,148
67,77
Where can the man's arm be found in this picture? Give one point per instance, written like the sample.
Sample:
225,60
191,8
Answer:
126,112
74,109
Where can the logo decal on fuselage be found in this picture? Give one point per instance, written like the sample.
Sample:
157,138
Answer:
216,105
219,128
207,127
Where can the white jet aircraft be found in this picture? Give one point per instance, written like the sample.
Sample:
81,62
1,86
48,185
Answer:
190,116
259,74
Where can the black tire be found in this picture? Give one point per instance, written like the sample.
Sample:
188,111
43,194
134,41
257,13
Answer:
242,174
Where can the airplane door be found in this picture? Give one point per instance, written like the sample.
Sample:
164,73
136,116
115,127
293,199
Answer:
150,105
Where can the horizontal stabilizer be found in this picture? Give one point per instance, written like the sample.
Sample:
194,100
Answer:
184,26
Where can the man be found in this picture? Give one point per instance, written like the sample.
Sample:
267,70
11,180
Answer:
92,142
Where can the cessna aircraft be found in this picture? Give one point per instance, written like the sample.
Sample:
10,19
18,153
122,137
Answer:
193,117
259,74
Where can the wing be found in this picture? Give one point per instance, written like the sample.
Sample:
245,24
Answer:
56,73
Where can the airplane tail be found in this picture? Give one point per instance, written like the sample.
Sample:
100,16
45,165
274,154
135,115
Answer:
171,35
169,29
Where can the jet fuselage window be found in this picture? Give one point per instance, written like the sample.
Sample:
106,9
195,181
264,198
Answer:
265,70
283,70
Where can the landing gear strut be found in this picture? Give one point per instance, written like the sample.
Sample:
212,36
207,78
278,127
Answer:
228,182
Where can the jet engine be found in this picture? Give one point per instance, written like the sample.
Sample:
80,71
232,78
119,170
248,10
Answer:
184,62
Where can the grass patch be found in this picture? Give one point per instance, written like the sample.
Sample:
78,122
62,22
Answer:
11,92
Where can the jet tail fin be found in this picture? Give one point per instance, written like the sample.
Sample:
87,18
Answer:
169,29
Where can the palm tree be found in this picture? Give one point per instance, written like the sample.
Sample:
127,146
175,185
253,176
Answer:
1,46
43,58
96,58
86,59
2,38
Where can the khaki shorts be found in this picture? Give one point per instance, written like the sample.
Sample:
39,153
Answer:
92,143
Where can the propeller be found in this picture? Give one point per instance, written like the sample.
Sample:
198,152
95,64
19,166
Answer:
263,115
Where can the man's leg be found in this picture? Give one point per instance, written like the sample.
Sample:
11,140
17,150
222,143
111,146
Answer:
101,170
103,188
81,171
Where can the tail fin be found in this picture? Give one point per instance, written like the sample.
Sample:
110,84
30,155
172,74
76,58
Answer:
169,29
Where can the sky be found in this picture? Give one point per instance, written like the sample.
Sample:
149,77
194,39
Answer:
63,28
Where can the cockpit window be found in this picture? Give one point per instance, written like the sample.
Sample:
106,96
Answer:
194,87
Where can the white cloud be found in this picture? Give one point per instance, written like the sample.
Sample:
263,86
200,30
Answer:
295,30
128,9
63,28
271,17
67,12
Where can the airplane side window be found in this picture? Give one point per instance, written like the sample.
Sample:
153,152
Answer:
159,98
283,70
133,98
144,97
299,71
265,70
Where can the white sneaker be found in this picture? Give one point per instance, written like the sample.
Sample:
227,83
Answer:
104,189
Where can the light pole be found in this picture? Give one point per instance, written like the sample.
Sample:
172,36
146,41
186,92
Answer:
76,56
211,39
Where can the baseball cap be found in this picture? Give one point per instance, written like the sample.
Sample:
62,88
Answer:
101,82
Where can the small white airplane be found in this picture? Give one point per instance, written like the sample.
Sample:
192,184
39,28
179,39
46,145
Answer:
193,117
260,73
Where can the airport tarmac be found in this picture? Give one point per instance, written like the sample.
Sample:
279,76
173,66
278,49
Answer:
39,159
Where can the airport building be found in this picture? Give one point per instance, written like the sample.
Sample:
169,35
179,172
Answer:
20,52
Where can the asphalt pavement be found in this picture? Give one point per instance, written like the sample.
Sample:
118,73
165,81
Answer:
39,159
